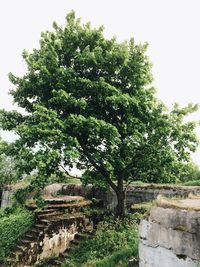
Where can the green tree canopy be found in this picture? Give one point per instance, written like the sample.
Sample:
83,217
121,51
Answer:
8,166
89,104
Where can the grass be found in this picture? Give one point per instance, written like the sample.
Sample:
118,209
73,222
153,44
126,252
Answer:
192,183
14,222
117,259
177,203
74,181
114,242
142,208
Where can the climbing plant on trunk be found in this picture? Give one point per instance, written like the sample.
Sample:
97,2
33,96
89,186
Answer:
89,104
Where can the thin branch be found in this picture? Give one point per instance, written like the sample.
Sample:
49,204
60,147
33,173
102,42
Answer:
126,186
137,154
99,168
69,173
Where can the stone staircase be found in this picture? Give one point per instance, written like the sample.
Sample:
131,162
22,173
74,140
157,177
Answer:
59,225
58,261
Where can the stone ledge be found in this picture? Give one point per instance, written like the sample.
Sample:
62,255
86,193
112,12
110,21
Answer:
162,257
170,237
184,204
179,242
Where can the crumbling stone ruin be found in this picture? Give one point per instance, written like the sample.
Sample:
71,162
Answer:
170,237
57,225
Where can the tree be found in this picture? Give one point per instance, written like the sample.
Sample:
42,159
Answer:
191,174
89,104
8,167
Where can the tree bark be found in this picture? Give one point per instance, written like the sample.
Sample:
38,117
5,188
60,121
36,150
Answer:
121,205
121,208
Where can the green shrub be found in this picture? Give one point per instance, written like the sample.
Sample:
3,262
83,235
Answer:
113,241
119,258
47,262
39,200
142,208
13,224
21,195
192,183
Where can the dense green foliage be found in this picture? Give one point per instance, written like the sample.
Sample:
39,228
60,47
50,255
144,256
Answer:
117,259
8,167
192,173
192,183
21,194
113,241
89,104
14,222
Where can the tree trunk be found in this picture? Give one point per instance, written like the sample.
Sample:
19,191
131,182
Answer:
121,204
120,198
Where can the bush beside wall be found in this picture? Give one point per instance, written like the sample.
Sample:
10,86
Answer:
13,225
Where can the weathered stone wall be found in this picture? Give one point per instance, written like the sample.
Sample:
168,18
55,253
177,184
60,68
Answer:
52,189
171,235
6,197
135,194
52,241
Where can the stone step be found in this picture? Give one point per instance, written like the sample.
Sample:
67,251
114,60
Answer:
62,210
19,248
44,221
43,216
24,242
10,261
14,254
35,231
30,237
63,217
70,208
66,200
58,201
14,258
67,205
45,211
40,226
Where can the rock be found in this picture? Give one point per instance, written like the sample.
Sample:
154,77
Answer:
134,194
52,190
171,235
6,198
162,257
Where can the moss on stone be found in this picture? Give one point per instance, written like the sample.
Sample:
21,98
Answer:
187,204
142,208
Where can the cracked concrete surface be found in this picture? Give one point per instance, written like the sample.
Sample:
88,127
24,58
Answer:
171,236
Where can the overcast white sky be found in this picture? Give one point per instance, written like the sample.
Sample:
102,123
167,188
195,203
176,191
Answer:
171,27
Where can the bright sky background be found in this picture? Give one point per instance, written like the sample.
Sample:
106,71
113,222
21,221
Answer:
171,27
